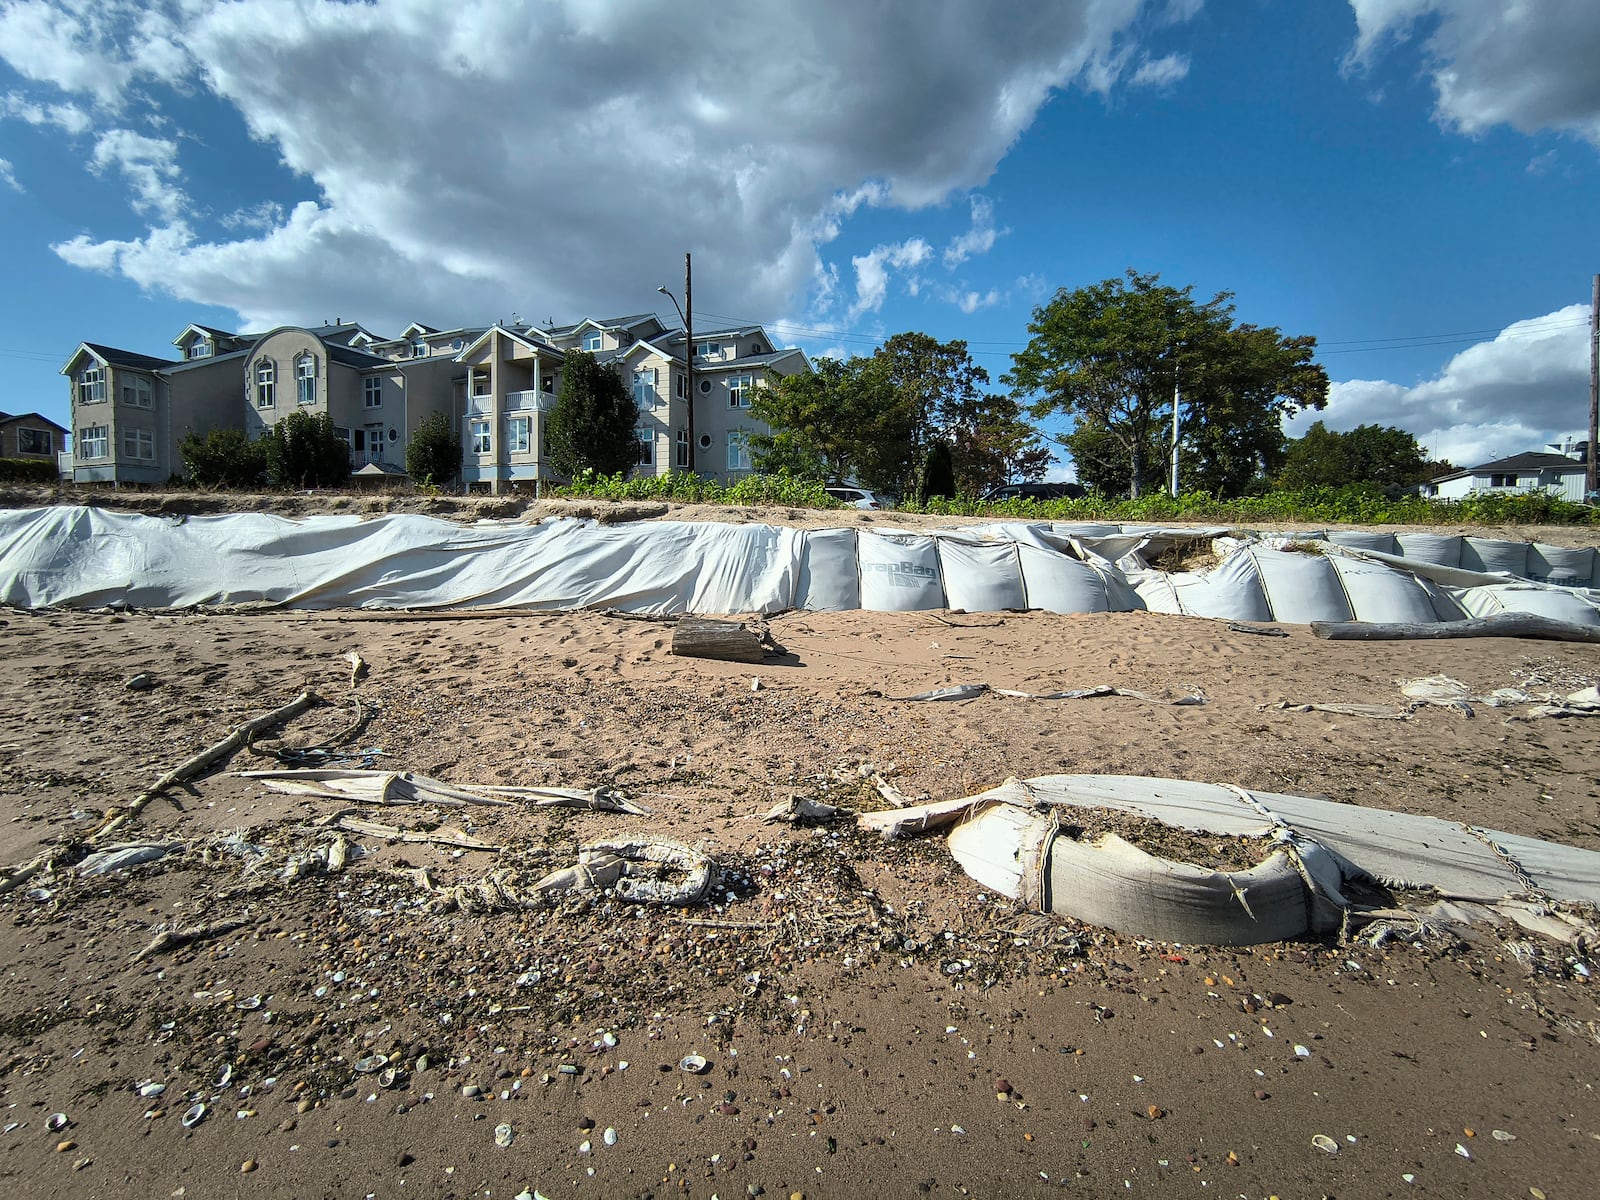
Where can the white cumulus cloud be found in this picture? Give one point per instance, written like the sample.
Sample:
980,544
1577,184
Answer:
8,175
1516,392
1528,65
465,157
150,167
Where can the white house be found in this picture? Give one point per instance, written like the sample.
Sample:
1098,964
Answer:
1556,474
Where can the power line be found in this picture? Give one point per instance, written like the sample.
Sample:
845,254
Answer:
1343,346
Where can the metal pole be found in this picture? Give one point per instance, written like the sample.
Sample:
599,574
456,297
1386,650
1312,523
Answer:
688,347
1174,431
1591,479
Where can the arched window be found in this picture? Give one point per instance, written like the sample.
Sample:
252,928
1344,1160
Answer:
266,376
305,379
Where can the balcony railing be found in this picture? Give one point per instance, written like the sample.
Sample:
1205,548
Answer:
530,401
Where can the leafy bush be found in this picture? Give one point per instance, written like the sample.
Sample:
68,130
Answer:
304,451
782,489
1352,504
433,456
28,470
224,458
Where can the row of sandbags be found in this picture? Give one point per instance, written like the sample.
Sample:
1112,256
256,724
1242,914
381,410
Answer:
86,557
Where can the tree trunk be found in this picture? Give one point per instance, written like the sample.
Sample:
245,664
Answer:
726,640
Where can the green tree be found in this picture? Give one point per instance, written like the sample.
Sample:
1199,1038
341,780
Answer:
841,421
593,424
938,474
1380,454
224,458
433,456
1112,355
877,420
304,451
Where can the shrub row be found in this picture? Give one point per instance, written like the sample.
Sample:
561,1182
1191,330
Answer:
28,470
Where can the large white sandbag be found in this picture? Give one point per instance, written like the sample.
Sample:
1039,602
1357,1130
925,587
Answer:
1527,598
1382,594
980,576
1301,587
1495,556
899,572
1365,539
827,580
1230,591
1059,583
1441,548
1561,566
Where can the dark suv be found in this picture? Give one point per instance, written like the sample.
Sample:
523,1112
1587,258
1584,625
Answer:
1036,491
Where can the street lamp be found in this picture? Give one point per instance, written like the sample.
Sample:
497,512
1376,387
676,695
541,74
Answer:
688,346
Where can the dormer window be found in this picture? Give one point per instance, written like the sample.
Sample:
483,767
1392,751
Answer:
592,342
708,349
305,379
200,348
419,347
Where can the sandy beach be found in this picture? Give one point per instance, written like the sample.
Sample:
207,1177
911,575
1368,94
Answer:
871,1020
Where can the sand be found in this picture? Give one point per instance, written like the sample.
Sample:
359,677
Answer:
873,1021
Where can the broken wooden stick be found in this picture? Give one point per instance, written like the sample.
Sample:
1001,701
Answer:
173,940
191,767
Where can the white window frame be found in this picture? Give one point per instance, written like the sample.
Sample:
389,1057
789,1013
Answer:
94,442
593,342
199,348
707,349
266,383
375,443
419,347
519,435
92,386
740,388
681,384
139,445
647,449
644,388
137,392
683,447
305,380
739,450
481,435
47,435
372,392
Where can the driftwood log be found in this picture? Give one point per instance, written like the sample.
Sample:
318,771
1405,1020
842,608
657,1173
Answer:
1518,625
726,640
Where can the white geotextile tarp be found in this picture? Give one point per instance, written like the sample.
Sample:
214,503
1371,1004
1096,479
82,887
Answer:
87,557
1013,840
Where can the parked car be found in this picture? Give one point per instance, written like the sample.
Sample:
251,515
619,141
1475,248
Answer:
1037,491
855,497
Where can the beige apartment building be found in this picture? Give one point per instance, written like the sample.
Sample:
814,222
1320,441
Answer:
495,384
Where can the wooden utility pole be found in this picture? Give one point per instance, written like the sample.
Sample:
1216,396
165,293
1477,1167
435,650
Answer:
1591,480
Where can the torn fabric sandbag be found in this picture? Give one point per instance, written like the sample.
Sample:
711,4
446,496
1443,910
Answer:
121,857
1010,839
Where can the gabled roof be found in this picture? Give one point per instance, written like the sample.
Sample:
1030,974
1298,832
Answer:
8,418
519,334
210,331
417,327
196,364
350,357
1533,460
628,322
112,357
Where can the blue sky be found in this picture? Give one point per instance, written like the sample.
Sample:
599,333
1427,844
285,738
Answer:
1410,181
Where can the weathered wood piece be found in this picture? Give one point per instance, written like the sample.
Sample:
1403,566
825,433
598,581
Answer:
1519,625
189,768
728,641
